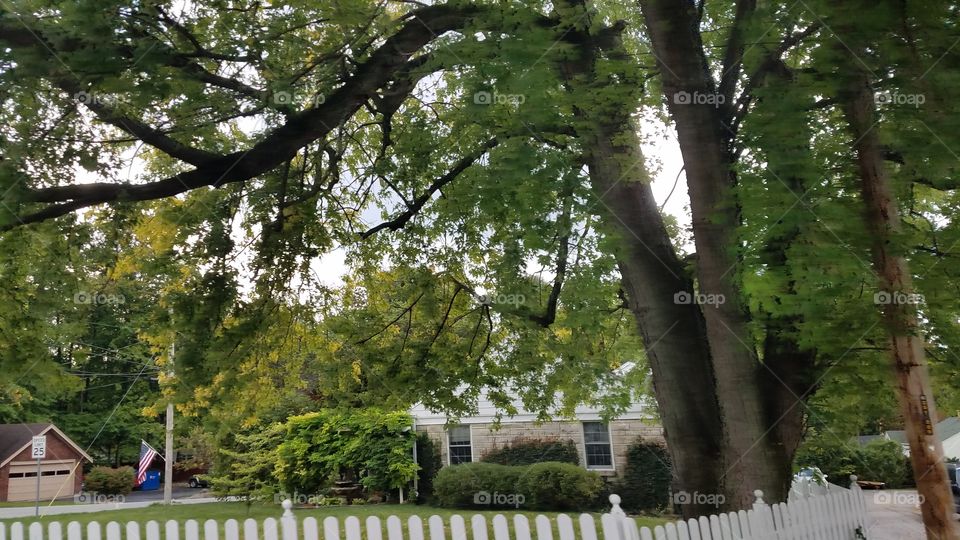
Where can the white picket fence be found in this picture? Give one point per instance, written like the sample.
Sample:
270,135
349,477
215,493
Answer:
835,516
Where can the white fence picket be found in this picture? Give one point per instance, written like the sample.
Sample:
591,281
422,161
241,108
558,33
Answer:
55,531
331,528
458,527
251,529
74,532
270,530
113,531
35,531
521,527
374,528
435,524
311,530
191,531
414,528
152,530
231,530
501,530
93,531
478,525
210,530
394,528
351,526
588,527
564,527
132,531
544,528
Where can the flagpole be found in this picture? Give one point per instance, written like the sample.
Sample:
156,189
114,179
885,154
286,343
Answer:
168,447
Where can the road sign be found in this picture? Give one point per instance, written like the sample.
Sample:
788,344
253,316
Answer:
39,448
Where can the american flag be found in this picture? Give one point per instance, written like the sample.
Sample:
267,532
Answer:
147,453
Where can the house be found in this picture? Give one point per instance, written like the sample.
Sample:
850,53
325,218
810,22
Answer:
602,445
947,430
61,470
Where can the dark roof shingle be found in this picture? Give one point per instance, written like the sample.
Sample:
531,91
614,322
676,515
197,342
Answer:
13,437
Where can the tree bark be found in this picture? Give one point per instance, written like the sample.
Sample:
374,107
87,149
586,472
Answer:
754,457
672,332
900,317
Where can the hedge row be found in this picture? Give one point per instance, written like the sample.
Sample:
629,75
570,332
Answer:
530,451
543,486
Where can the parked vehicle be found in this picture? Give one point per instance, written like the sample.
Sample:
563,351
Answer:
198,481
954,486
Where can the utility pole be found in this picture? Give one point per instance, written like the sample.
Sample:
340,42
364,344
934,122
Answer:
168,446
898,303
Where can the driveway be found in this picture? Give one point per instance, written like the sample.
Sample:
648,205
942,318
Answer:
895,515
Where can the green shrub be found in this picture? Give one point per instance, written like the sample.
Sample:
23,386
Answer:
107,481
428,457
559,487
529,451
883,461
542,486
880,460
832,456
457,486
645,485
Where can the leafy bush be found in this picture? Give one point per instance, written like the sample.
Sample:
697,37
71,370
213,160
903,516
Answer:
107,481
883,461
559,486
529,451
646,478
880,460
834,458
542,486
457,486
246,469
374,444
428,457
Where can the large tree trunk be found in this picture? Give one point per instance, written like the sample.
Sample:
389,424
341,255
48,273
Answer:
754,457
899,315
673,332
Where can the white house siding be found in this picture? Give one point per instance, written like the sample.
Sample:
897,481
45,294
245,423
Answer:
951,447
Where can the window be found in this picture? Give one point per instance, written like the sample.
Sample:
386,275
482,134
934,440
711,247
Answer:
596,443
460,448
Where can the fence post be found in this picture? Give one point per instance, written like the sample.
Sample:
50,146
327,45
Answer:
288,523
626,528
761,519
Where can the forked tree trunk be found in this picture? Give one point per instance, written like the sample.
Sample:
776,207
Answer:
900,317
673,333
754,457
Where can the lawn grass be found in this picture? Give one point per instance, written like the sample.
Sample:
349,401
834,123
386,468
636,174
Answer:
222,511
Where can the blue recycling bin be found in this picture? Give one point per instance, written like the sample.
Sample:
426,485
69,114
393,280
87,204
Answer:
151,482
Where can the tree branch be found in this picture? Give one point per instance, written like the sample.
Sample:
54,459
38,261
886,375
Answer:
418,203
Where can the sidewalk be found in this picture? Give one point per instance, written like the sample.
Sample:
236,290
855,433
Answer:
28,511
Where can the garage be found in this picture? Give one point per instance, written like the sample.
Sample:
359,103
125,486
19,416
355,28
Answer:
60,470
56,480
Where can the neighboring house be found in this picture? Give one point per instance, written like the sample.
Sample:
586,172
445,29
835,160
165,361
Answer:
61,471
602,446
947,430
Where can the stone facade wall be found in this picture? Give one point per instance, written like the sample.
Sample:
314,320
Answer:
485,437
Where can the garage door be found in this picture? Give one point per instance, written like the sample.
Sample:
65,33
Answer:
56,480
